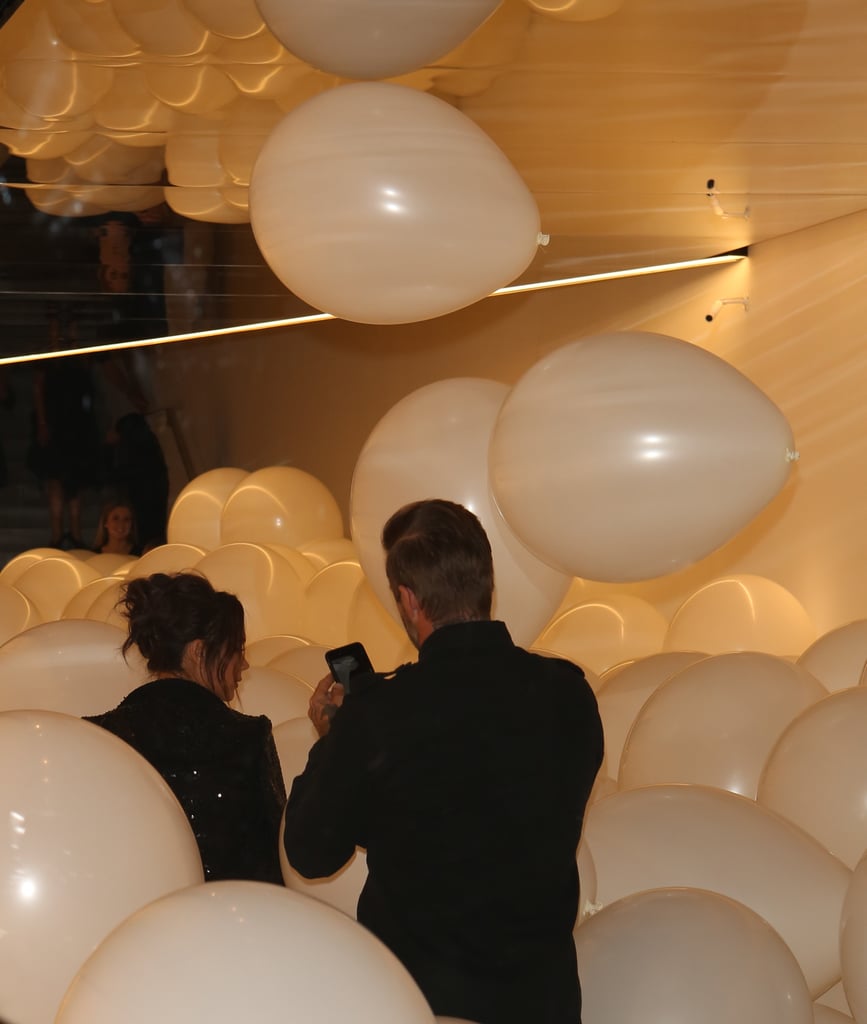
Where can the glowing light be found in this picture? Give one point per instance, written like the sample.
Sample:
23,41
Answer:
313,318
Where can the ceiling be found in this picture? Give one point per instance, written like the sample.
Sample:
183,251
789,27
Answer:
660,131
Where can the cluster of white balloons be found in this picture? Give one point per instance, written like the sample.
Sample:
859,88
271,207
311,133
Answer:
373,201
721,866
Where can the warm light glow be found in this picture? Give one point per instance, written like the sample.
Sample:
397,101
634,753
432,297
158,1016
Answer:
313,318
615,275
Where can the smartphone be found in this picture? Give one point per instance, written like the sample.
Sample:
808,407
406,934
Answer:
348,661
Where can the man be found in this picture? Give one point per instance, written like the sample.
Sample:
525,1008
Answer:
465,777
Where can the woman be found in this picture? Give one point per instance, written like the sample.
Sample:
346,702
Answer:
116,533
221,765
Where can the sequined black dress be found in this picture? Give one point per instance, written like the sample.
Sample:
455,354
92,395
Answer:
221,765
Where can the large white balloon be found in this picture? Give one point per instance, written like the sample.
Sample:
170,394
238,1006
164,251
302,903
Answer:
838,658
626,456
280,505
685,955
209,952
195,515
605,632
72,666
625,689
384,205
374,38
853,941
92,833
267,586
707,838
576,10
434,444
742,612
816,775
715,722
265,691
17,613
50,583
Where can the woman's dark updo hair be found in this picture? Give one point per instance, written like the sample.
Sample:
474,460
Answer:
167,612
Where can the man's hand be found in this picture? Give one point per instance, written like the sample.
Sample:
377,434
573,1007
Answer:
326,699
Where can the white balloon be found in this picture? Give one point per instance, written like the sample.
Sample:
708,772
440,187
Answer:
195,515
73,666
17,613
816,775
716,722
742,612
605,632
838,657
679,955
625,689
853,941
434,444
380,204
265,691
92,833
632,420
202,953
373,38
280,505
293,739
267,586
50,583
707,838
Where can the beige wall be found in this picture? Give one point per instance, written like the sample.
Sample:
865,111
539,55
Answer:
309,396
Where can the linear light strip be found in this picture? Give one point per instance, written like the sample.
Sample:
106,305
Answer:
314,318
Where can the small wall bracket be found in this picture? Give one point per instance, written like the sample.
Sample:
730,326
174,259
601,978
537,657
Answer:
740,300
713,198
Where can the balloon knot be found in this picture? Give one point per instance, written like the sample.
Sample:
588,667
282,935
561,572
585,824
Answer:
792,456
542,238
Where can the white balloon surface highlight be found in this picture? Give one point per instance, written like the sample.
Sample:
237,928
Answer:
206,952
629,455
434,444
91,834
384,205
374,38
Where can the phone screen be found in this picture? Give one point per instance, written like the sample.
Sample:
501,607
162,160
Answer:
348,661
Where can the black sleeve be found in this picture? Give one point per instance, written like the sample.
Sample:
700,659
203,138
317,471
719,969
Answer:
325,811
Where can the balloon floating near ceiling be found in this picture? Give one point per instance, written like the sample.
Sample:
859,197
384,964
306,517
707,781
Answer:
576,10
629,455
373,38
384,205
435,442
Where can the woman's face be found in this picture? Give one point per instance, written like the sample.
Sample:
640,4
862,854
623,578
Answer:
118,523
222,682
227,685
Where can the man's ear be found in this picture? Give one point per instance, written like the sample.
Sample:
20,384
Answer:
408,601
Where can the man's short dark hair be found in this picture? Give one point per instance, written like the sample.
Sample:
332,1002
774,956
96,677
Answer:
440,550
